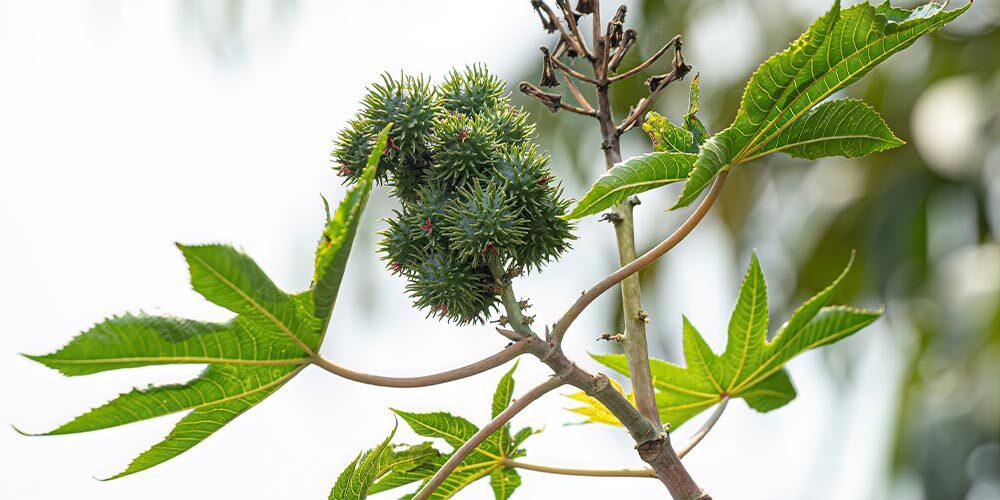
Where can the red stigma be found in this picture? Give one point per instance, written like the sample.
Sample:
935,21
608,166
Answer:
428,226
390,144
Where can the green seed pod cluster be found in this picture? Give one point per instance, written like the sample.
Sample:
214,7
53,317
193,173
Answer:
476,195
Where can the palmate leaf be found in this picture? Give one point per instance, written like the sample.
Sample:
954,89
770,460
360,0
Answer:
751,367
486,460
635,175
839,48
267,343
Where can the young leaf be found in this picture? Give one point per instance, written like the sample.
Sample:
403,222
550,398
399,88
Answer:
354,482
486,460
838,49
632,176
691,122
670,138
249,357
751,367
667,137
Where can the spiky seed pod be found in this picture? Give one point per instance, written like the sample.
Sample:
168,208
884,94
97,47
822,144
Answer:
397,246
351,150
411,104
407,178
464,147
531,187
449,288
548,234
472,91
483,224
522,172
473,189
511,124
426,215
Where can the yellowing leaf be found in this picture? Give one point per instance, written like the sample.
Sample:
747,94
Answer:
594,410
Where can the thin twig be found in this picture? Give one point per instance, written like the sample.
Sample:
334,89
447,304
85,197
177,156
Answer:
574,28
628,41
518,348
552,101
463,451
565,471
596,25
703,431
579,96
656,85
540,4
644,472
648,62
644,260
568,70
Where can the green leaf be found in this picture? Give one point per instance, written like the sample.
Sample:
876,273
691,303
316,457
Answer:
747,325
504,392
751,367
486,460
139,340
335,245
632,176
245,388
356,480
217,385
249,357
838,49
842,127
232,280
504,482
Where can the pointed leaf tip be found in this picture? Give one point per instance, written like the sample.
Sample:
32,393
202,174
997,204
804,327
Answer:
781,107
26,434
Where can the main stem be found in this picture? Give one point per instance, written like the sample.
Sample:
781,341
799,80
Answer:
636,350
652,443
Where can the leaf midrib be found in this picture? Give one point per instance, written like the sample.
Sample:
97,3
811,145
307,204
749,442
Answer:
756,377
749,330
179,359
810,141
608,193
256,305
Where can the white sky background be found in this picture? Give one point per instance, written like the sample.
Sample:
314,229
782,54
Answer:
120,134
